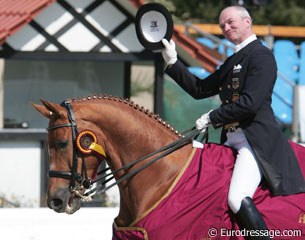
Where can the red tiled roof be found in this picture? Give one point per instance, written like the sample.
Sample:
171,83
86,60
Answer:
16,13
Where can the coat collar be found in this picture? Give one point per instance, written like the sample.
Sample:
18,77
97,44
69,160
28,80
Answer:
240,46
237,57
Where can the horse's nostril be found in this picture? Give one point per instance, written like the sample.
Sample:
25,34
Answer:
56,204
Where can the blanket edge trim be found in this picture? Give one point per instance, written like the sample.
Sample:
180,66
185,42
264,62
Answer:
140,229
183,169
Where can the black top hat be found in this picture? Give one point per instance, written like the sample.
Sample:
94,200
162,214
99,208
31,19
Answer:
153,23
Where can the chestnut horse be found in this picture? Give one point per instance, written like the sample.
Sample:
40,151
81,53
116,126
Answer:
121,128
84,132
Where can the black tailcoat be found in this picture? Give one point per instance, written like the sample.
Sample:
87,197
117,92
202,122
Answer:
251,73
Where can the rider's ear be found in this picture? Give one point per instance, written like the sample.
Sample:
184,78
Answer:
49,109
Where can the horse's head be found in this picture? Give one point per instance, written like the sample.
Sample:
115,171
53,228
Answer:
79,137
73,157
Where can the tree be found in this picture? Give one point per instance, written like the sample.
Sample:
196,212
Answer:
279,12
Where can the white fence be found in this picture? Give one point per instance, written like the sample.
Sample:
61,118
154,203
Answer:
20,172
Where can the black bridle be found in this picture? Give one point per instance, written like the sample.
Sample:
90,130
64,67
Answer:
73,175
82,178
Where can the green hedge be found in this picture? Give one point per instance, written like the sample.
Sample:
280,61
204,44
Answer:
181,110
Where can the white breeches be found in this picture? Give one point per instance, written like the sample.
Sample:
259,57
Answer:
246,174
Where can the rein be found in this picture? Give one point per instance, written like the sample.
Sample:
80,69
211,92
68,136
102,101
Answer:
166,150
82,178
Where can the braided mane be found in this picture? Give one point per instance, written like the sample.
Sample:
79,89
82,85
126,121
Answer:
131,104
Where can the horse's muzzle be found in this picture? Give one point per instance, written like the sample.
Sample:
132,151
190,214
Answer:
62,201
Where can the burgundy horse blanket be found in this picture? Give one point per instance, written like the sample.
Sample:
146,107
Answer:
196,208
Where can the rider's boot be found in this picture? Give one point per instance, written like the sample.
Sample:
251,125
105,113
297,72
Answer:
249,218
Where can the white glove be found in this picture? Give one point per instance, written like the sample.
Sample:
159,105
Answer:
169,52
203,122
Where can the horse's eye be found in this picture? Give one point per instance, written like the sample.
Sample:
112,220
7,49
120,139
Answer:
60,144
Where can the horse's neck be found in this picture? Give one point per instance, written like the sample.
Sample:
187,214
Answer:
144,190
130,135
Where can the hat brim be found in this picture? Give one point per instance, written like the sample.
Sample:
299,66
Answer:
153,22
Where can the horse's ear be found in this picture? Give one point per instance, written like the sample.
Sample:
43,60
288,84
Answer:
48,109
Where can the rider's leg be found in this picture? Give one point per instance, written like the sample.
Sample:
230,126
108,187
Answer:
245,180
